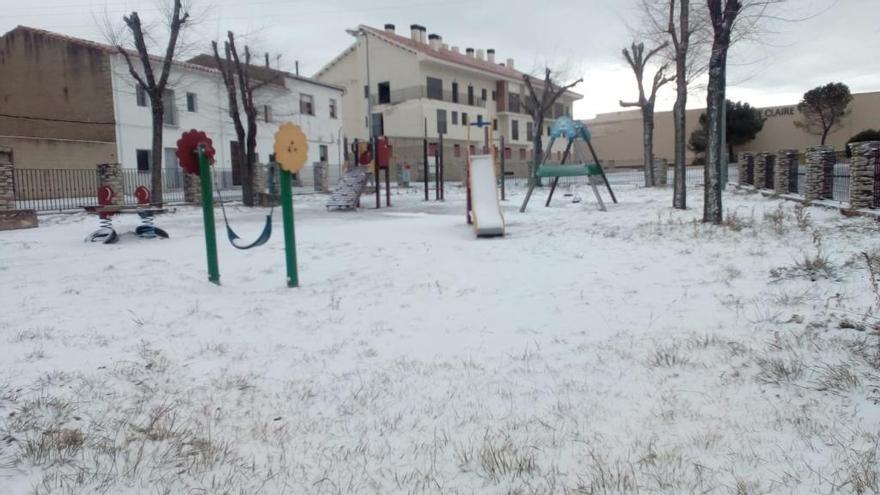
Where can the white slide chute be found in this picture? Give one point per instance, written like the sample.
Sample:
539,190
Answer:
485,208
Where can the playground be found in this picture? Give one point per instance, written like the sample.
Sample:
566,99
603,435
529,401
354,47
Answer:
633,350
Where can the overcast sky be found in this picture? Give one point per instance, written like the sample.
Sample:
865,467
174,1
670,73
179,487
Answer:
838,41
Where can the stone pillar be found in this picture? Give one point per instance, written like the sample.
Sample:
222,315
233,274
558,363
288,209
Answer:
192,188
661,172
760,172
110,175
785,161
816,184
321,177
861,171
746,168
7,185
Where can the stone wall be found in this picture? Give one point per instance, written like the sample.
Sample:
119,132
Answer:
760,175
747,168
786,170
819,180
865,156
7,187
192,189
110,175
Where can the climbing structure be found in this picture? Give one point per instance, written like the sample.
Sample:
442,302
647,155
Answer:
347,194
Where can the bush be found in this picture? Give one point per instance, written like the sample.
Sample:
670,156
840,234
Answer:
866,135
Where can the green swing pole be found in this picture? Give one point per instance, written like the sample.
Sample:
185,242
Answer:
208,216
289,235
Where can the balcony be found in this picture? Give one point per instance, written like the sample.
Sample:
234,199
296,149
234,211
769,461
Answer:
418,92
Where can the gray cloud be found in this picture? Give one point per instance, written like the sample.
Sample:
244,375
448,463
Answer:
584,38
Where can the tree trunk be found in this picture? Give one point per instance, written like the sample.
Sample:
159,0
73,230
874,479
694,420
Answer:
712,207
538,155
825,136
679,194
158,112
648,141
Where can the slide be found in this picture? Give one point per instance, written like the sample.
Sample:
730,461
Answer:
485,209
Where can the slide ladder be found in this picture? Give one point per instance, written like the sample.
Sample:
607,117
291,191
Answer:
348,190
485,208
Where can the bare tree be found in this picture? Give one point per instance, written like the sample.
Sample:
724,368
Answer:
722,14
638,60
154,87
240,84
539,105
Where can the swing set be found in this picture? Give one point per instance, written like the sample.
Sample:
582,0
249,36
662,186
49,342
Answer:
565,127
195,153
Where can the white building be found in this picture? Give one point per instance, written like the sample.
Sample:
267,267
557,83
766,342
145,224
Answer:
420,85
198,100
71,103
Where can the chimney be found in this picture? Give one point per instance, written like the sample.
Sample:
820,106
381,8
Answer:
423,35
414,32
444,46
491,54
455,49
434,40
470,52
510,63
389,28
480,54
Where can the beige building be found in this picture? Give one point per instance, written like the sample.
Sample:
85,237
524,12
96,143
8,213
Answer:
418,85
617,136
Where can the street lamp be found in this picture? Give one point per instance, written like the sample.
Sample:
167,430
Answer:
357,33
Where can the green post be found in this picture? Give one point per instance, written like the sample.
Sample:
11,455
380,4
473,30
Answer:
289,235
208,216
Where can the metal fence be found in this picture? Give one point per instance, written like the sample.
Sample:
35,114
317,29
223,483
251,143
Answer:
69,189
840,182
694,176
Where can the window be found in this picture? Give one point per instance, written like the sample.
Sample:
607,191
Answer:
514,130
494,124
479,118
384,92
522,154
529,133
513,102
548,131
470,95
170,106
435,88
140,95
454,118
192,102
366,91
332,108
456,150
507,154
267,113
322,153
493,95
558,110
464,120
306,104
455,92
483,94
472,149
441,121
144,160
378,124
432,149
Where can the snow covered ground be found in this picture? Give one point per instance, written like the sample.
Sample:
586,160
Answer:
633,351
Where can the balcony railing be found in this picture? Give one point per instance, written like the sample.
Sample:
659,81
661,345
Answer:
417,92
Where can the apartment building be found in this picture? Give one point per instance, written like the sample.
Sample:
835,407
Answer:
72,103
419,84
